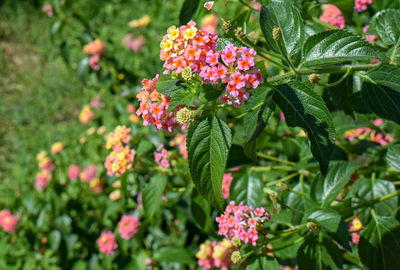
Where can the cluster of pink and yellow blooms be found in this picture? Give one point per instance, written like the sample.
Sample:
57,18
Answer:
366,133
46,166
86,115
8,222
355,228
215,254
96,49
242,222
161,157
128,226
121,157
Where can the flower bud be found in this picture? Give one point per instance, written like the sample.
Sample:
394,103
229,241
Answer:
273,197
116,184
115,195
235,241
314,78
235,257
277,33
227,27
187,74
304,173
184,116
312,226
240,34
282,186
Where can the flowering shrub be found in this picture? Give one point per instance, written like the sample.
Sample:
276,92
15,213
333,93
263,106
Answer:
266,138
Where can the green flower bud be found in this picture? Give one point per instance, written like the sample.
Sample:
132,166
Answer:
187,74
240,34
184,116
235,257
227,27
235,241
277,33
312,226
314,78
282,186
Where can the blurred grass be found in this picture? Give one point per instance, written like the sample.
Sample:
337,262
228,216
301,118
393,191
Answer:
40,98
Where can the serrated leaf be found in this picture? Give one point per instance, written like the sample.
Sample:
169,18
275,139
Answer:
188,9
293,34
387,75
327,218
173,254
338,176
370,190
379,247
212,91
382,100
182,97
316,254
248,189
338,96
208,143
393,157
264,263
169,87
151,195
386,23
237,157
223,42
304,108
336,46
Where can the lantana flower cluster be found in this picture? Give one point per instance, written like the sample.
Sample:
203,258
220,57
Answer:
56,148
355,227
48,9
369,38
8,221
121,157
333,15
133,43
46,166
128,226
86,115
161,157
95,48
180,141
215,254
107,243
361,5
189,47
241,221
226,185
366,133
154,107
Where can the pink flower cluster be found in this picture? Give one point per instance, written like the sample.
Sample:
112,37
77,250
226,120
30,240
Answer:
226,185
107,243
196,48
180,141
160,156
89,173
369,38
154,107
73,172
355,227
46,166
121,157
86,115
370,134
8,222
215,254
48,9
241,221
361,5
333,16
95,102
95,48
133,43
128,226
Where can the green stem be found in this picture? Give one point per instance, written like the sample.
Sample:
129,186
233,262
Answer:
261,155
254,108
289,245
247,5
324,24
271,168
286,178
338,81
286,56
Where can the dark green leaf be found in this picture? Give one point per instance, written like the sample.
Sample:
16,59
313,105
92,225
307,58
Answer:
393,157
338,97
379,247
183,97
169,87
83,69
304,108
264,263
338,176
327,218
237,157
173,254
248,189
188,9
319,254
152,194
208,142
54,240
299,201
223,42
212,91
276,14
386,23
337,46
384,74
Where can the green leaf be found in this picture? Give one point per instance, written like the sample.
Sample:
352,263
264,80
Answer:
299,201
173,254
319,254
183,97
237,157
223,42
212,91
337,46
152,194
338,176
248,189
208,142
393,157
63,224
293,34
54,240
386,23
304,108
338,96
169,87
264,263
83,69
385,74
188,9
369,190
383,101
327,218
379,247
